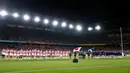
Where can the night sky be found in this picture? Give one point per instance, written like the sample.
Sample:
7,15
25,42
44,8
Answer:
109,14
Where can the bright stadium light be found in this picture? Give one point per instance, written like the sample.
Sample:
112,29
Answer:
55,23
97,27
26,17
3,13
16,15
90,28
63,24
37,19
78,27
46,21
71,26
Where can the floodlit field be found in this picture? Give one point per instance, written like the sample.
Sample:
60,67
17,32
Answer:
66,66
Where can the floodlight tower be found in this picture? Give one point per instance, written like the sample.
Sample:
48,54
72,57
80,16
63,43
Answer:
71,26
55,23
63,24
26,17
97,27
3,13
79,27
37,19
46,21
90,28
16,15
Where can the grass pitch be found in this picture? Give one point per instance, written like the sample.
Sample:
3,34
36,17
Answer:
66,66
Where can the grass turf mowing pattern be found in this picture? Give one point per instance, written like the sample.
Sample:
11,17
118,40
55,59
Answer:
66,66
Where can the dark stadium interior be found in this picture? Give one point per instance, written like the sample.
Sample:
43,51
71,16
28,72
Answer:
101,13
64,36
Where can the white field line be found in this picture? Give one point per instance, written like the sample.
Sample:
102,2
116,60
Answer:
72,68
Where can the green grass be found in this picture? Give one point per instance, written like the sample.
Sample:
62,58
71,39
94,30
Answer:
66,66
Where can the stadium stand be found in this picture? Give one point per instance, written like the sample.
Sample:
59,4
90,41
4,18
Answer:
36,42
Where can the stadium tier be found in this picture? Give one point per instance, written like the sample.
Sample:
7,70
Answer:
13,32
24,34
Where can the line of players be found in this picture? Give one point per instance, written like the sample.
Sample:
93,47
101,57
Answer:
35,52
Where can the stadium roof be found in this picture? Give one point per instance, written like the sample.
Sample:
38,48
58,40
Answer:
110,14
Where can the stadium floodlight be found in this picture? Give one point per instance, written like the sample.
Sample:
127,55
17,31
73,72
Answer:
3,13
46,21
26,17
16,15
37,19
90,28
78,27
63,24
71,26
55,23
97,27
